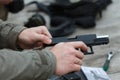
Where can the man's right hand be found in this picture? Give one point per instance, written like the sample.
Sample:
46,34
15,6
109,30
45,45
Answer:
68,58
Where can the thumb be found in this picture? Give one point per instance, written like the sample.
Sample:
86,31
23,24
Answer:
43,38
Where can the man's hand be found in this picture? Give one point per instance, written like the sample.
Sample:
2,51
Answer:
34,37
68,57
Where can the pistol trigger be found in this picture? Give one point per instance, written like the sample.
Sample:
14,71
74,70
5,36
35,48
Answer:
91,51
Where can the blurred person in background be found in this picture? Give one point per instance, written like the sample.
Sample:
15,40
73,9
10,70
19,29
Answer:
13,6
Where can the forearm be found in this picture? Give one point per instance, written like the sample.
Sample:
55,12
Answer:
26,65
8,34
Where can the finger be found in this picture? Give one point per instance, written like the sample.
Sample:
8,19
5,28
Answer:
77,67
25,46
79,44
39,44
43,38
79,54
45,31
78,61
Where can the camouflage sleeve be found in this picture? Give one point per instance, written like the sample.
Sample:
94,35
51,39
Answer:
8,34
26,65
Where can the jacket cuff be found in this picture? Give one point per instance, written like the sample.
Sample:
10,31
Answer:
13,35
48,61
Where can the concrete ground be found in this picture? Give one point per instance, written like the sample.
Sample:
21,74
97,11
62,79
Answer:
109,24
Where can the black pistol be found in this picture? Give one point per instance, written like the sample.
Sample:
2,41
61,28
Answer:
89,39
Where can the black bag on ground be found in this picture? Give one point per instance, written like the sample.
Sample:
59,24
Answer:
61,26
35,20
73,10
64,15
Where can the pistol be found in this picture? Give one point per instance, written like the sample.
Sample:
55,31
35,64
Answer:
89,39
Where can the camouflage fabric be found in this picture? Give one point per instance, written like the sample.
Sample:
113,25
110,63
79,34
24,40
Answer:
22,65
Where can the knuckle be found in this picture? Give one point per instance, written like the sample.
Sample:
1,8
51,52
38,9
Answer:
81,62
43,27
81,54
72,66
71,50
82,43
42,36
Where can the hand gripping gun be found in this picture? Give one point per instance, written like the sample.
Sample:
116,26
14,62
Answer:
89,39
